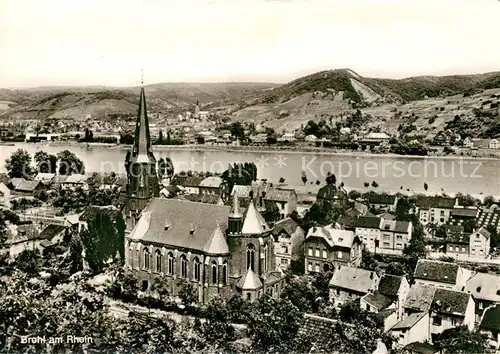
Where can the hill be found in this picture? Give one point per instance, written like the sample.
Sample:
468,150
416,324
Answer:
331,95
78,102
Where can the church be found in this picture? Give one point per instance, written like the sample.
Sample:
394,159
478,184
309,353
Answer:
221,250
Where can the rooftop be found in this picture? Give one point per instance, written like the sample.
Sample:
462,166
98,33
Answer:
356,279
484,286
443,272
377,300
465,212
420,297
425,202
409,321
389,285
211,182
374,198
368,222
450,302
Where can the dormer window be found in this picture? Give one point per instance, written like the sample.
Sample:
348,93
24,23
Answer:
192,229
478,289
167,225
386,227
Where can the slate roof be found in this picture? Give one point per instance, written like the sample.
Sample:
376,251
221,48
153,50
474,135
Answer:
316,326
450,302
250,281
187,181
420,297
287,225
211,182
347,222
179,223
27,186
368,222
334,237
389,285
279,194
443,272
395,226
374,198
51,230
454,231
424,202
45,176
458,238
484,286
465,212
76,179
330,192
217,243
377,300
203,198
409,321
491,319
356,279
253,222
484,232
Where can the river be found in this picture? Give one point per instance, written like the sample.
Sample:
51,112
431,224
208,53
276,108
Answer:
451,175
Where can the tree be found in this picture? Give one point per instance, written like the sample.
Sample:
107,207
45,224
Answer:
488,201
240,174
217,327
18,164
45,163
395,268
160,135
237,130
374,184
461,340
466,200
161,288
366,184
441,231
469,225
69,163
304,177
281,180
331,179
187,293
29,261
426,187
353,194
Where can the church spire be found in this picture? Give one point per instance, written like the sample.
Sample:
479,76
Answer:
142,140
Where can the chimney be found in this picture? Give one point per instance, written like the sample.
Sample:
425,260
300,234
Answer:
167,225
192,229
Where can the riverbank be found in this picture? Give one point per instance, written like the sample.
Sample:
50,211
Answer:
308,150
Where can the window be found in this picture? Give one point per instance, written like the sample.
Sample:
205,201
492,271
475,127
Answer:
158,261
184,266
310,266
399,237
325,254
250,256
453,322
399,245
284,249
145,285
265,257
339,254
214,272
317,252
480,304
145,263
441,213
473,251
284,261
249,296
316,268
224,273
387,227
463,249
437,321
197,269
170,259
387,244
310,251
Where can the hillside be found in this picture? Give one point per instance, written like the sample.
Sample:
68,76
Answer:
98,101
330,95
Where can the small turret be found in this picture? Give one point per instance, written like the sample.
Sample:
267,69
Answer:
235,217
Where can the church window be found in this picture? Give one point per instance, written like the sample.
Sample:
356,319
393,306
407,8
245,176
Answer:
197,269
224,273
170,263
265,258
158,261
184,266
146,258
250,256
214,272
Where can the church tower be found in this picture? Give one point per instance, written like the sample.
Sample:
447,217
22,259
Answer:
140,164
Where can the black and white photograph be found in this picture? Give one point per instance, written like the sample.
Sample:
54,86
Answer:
250,176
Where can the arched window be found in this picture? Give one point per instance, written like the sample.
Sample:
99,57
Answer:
197,269
284,249
184,267
250,256
145,258
249,296
224,273
265,257
158,261
214,272
170,259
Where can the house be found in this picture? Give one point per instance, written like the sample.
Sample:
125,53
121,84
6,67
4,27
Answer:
75,181
480,243
169,191
459,215
5,195
436,210
381,202
28,187
395,288
440,274
213,186
22,237
350,283
490,325
311,138
285,199
326,248
485,289
52,235
332,195
494,144
457,244
414,328
468,142
367,228
106,181
449,309
45,178
189,184
395,235
373,137
288,242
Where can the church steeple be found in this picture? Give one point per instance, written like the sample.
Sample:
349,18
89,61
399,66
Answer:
140,163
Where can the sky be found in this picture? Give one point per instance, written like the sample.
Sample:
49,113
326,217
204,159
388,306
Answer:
108,42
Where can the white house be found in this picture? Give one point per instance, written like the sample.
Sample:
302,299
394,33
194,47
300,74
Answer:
441,274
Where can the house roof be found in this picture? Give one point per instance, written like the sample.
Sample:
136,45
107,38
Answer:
374,198
211,182
395,226
4,179
347,221
484,286
421,348
427,202
409,321
180,223
490,320
279,194
16,181
443,272
330,192
454,231
465,212
217,243
76,178
482,231
286,225
334,237
356,279
187,181
59,179
51,230
420,297
450,302
488,217
368,222
250,281
389,285
253,222
27,186
377,300
317,327
203,198
44,176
